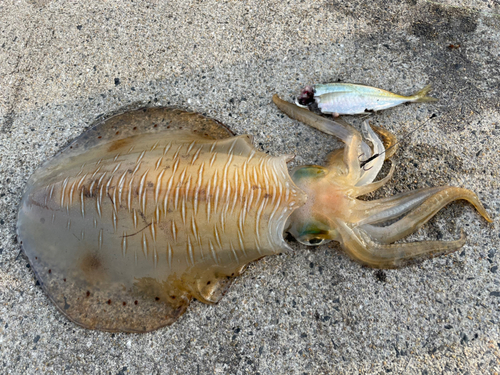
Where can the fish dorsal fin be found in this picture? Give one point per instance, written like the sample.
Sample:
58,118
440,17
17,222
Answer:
148,121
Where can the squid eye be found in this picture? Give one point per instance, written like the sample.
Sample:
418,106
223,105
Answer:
312,232
316,241
312,241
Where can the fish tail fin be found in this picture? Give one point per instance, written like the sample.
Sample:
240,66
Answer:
421,96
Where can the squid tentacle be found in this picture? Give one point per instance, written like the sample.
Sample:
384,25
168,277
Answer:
364,148
372,168
340,129
420,215
384,209
404,254
360,247
365,189
390,141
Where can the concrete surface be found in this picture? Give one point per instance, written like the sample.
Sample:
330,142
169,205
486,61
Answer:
311,311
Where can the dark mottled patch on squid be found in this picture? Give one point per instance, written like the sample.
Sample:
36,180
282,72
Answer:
119,144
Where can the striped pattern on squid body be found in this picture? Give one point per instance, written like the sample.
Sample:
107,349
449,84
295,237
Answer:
205,199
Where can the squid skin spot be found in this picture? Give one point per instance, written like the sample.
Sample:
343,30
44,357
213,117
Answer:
155,125
232,274
88,293
64,280
157,298
124,303
90,263
99,137
118,144
135,302
109,302
208,282
134,128
117,133
168,127
50,271
173,297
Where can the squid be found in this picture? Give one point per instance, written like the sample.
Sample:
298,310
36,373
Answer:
154,207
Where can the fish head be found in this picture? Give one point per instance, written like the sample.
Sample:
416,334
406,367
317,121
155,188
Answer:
306,96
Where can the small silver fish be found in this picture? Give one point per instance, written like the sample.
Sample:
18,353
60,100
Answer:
352,99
